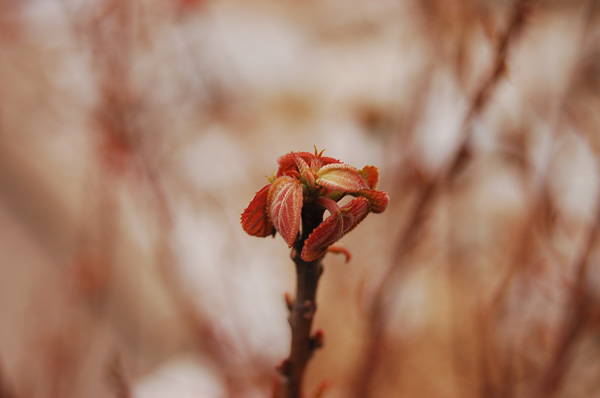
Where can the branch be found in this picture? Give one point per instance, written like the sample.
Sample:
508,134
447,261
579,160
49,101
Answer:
575,317
302,310
427,192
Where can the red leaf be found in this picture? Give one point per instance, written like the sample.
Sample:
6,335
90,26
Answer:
255,219
284,206
328,203
378,200
334,227
371,176
353,213
306,173
325,160
287,162
326,234
288,165
340,177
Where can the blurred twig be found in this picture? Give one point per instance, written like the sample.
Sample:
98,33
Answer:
427,192
5,389
109,31
539,204
579,303
117,379
576,316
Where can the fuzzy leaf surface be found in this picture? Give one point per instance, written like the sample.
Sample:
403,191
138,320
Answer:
334,227
306,174
370,175
340,177
255,219
287,162
284,206
378,200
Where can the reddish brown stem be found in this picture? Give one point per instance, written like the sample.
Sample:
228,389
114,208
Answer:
303,309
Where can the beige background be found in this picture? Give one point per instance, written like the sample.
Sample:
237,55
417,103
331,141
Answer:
134,133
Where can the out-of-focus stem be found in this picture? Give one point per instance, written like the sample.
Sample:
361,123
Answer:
427,194
302,310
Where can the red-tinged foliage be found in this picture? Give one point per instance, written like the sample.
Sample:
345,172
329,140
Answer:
334,227
306,174
324,160
329,232
287,162
284,207
341,177
378,200
328,203
303,177
255,219
370,175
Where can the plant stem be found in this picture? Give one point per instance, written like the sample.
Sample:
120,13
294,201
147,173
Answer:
303,309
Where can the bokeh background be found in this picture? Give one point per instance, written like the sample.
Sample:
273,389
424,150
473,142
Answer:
134,132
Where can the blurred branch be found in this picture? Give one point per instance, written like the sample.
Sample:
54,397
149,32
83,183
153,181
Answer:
5,389
117,380
428,191
577,308
575,317
28,195
122,150
521,11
